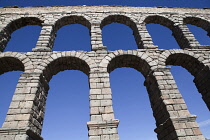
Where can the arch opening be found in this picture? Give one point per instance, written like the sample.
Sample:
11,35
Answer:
15,25
10,69
162,36
131,61
112,40
67,106
24,39
160,20
186,61
8,82
71,20
176,31
58,65
65,63
131,105
10,64
199,23
201,35
126,21
72,37
140,65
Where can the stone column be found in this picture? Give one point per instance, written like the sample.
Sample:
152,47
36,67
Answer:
5,36
173,120
96,37
144,40
102,125
25,115
184,37
46,39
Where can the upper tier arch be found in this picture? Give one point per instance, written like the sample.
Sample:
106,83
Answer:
48,34
157,19
172,25
5,33
199,22
126,21
72,19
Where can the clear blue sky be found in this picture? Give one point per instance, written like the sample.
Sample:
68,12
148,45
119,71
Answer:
68,103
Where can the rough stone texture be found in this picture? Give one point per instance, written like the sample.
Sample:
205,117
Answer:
174,122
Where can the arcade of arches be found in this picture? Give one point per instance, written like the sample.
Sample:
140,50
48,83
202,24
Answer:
173,120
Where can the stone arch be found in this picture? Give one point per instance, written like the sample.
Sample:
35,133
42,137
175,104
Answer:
65,63
199,22
129,61
56,63
10,64
193,64
67,20
126,21
70,61
159,20
137,60
170,24
73,19
140,61
5,33
184,58
146,65
12,61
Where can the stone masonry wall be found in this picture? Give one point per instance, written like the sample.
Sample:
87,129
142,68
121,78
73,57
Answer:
173,120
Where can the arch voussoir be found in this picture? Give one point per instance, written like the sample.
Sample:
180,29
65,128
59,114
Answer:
16,61
67,61
14,24
128,59
126,20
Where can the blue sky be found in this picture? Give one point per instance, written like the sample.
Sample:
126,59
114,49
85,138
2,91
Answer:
68,102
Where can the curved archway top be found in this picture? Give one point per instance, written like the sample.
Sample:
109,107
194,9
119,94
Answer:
157,19
72,19
199,22
13,61
134,59
177,57
15,24
69,60
21,22
116,18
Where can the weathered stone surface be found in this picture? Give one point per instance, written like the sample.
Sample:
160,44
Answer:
174,122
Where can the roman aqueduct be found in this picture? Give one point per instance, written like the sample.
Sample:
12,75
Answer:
174,122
